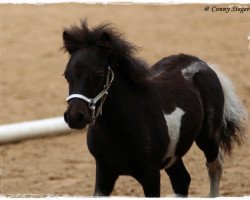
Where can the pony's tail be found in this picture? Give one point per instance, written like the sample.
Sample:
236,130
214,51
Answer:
234,116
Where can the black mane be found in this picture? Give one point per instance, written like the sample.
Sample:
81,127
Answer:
107,40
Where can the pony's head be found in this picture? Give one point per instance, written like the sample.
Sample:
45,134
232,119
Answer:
88,72
96,55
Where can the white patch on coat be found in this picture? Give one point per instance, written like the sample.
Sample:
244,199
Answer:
233,108
173,121
191,70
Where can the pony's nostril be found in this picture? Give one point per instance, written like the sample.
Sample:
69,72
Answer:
66,117
79,117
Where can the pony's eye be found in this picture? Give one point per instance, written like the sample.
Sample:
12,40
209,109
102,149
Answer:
66,76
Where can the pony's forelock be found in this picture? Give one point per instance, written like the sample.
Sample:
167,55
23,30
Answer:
83,36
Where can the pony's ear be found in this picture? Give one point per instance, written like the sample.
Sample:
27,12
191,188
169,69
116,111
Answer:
69,42
104,41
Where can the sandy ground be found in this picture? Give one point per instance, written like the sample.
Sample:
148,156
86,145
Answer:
31,87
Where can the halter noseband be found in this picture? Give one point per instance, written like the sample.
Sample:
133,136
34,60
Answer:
101,96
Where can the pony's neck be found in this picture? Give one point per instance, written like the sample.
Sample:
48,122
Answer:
132,70
129,89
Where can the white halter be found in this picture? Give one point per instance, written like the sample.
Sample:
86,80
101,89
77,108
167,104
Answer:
101,96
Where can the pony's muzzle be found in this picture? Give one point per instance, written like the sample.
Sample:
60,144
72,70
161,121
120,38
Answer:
75,121
77,116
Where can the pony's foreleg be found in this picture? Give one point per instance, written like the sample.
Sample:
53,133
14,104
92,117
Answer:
105,179
149,178
215,171
180,178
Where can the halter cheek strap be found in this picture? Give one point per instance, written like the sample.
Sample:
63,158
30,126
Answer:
101,96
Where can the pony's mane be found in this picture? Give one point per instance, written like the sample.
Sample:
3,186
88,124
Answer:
111,42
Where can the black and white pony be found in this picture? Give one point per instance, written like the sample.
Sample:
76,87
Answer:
145,119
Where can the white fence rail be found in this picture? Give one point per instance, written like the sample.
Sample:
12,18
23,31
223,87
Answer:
31,129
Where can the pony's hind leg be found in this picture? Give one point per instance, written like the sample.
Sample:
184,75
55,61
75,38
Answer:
209,137
180,178
214,157
215,171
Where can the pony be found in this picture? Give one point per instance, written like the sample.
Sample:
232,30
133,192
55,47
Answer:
144,119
